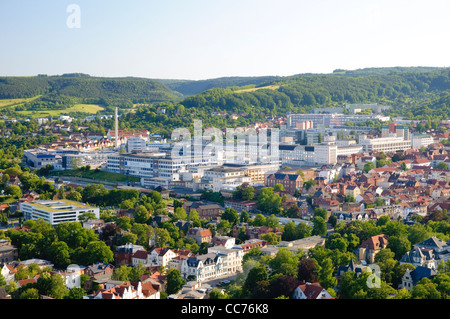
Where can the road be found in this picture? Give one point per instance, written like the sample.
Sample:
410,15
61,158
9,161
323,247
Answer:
214,282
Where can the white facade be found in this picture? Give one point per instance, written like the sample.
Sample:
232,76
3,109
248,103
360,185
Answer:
136,143
160,257
41,157
73,276
203,267
384,144
316,154
299,294
232,257
417,141
332,119
56,211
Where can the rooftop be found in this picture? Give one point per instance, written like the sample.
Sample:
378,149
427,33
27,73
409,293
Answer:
61,205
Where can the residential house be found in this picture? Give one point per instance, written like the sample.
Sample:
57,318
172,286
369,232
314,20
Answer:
203,267
205,211
225,241
370,247
254,232
351,216
140,257
434,250
326,203
241,205
358,269
411,277
72,276
232,257
123,254
24,282
177,261
124,290
8,252
252,243
309,290
419,257
290,182
98,272
160,256
8,272
353,191
200,235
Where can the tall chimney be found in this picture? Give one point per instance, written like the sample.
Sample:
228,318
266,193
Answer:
117,129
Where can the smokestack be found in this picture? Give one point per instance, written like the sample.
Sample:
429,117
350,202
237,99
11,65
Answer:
117,129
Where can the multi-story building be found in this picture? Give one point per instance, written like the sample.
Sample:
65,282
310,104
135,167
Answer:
203,267
123,255
290,182
241,205
200,235
384,144
316,154
205,211
56,211
332,120
419,140
137,143
232,257
41,157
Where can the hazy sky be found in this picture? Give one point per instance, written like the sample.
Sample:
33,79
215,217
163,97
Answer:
201,39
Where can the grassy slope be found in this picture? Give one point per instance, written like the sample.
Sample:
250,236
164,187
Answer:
82,108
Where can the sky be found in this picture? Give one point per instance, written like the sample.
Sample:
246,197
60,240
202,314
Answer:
204,39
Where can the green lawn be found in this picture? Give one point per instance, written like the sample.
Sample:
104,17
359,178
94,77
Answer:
96,175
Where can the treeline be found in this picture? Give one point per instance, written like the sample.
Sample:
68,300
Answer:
188,87
405,91
64,91
414,93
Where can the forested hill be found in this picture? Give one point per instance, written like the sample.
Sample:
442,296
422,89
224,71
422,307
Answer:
415,92
407,90
104,91
191,87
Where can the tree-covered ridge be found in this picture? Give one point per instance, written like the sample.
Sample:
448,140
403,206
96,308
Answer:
192,87
86,89
406,92
415,93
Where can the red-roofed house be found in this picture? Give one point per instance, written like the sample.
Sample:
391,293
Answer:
421,162
370,247
200,235
311,291
161,256
24,282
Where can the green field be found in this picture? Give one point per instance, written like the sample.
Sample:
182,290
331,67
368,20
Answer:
97,175
252,89
15,102
82,108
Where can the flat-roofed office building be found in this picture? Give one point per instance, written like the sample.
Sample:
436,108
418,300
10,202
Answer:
56,211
